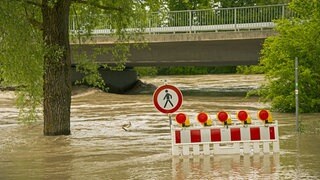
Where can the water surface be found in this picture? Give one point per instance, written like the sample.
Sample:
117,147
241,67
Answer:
99,148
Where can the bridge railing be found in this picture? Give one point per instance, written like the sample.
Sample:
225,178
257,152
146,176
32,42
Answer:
218,19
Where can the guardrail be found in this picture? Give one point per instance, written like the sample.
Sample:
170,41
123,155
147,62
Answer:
218,19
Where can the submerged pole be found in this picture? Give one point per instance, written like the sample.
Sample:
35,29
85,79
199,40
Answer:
170,120
297,94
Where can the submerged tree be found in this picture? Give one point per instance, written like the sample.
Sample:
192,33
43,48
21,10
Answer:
35,50
298,37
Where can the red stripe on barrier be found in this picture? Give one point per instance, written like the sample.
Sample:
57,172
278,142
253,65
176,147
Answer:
178,137
215,135
235,134
255,133
272,133
195,136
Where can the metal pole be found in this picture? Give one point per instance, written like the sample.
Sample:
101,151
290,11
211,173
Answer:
235,19
297,94
283,11
190,22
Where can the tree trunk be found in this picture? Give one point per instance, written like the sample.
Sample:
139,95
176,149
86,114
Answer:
57,67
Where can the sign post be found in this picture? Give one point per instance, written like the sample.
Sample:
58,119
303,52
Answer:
297,94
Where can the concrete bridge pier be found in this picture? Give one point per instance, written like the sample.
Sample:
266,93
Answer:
117,81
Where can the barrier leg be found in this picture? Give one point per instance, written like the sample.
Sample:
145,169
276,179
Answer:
175,150
256,147
246,148
206,149
196,149
216,148
185,150
266,147
276,147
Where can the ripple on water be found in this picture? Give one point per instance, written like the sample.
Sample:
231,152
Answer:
99,148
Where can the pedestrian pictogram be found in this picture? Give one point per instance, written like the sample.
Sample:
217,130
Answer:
167,99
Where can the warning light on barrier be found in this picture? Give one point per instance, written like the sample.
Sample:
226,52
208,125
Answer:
265,115
183,120
224,117
244,117
204,119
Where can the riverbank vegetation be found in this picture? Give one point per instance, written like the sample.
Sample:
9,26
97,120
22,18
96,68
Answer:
298,38
185,70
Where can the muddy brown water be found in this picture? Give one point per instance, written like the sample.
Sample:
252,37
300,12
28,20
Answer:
99,148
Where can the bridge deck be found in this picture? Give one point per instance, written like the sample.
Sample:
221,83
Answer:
197,49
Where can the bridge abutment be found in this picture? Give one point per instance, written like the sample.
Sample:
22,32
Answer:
117,81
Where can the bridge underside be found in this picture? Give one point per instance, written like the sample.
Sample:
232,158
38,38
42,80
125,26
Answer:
185,53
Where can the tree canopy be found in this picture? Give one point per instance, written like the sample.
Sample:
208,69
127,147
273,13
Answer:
240,3
297,37
35,49
174,5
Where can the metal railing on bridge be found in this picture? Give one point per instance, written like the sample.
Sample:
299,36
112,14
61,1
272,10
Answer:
211,20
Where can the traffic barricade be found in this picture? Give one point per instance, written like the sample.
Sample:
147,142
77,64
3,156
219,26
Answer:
227,138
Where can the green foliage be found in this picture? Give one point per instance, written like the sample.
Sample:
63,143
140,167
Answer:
146,71
90,71
117,16
241,3
21,58
120,16
184,70
298,37
192,70
253,69
22,50
175,5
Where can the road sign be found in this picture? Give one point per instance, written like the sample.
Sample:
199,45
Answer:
167,98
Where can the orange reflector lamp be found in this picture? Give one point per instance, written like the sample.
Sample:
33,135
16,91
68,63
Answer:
222,116
242,115
263,115
202,117
181,118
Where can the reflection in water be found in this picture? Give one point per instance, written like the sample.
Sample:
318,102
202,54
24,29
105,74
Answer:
228,166
99,148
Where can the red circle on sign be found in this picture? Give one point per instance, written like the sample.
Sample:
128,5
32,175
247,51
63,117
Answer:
263,114
242,115
222,116
181,118
202,117
165,87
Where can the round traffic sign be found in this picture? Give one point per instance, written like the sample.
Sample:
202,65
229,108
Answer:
167,99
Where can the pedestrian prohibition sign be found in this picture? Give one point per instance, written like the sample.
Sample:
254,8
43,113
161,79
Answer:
167,98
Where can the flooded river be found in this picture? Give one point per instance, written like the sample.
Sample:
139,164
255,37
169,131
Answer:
100,149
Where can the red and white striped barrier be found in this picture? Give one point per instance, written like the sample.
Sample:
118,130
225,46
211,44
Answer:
232,139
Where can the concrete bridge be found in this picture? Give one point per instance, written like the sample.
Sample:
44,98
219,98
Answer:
196,49
215,37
